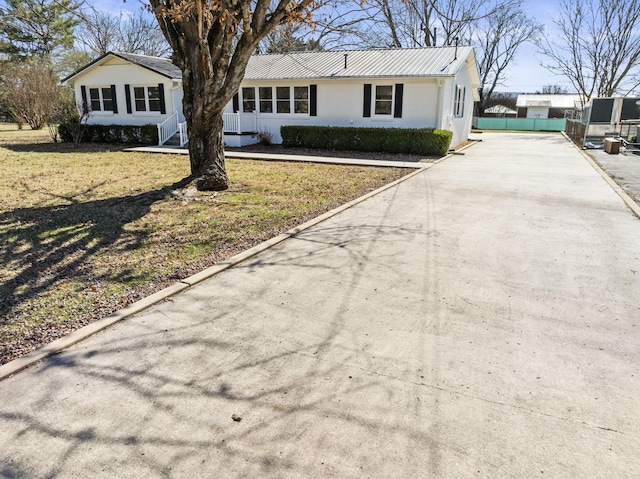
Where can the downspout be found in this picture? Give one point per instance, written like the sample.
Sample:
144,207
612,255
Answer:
439,104
175,86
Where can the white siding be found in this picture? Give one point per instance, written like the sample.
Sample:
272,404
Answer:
460,126
428,102
538,112
340,103
120,73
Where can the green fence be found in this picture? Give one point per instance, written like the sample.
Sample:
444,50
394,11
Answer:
522,124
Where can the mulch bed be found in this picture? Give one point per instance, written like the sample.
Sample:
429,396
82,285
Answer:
365,155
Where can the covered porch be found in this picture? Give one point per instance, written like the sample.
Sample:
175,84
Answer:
240,129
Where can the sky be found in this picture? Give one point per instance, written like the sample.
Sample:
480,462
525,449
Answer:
525,75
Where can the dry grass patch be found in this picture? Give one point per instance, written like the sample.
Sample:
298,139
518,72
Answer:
84,232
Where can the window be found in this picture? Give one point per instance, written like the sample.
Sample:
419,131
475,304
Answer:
146,98
248,99
301,99
266,99
154,98
287,99
458,107
101,99
283,99
140,98
384,100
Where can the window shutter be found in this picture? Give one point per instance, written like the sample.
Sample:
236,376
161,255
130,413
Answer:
127,95
114,99
236,103
313,100
85,103
163,108
464,94
397,109
366,110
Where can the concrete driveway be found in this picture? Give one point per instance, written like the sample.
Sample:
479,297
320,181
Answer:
481,319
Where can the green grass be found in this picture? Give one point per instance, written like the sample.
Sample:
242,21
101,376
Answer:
84,232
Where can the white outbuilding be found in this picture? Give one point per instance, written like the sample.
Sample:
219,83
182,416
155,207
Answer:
550,105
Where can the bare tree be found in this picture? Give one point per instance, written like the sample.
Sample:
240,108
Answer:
553,89
74,120
141,34
31,90
338,24
212,42
497,39
423,23
101,32
598,46
288,39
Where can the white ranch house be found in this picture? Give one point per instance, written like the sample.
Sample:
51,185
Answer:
401,88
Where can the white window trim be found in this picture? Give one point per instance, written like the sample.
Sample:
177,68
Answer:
102,111
293,101
147,112
259,101
274,101
382,116
288,100
255,100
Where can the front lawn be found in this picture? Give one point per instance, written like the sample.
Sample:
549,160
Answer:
84,232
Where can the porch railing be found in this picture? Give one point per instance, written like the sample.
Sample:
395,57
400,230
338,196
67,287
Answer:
168,128
240,122
237,123
182,130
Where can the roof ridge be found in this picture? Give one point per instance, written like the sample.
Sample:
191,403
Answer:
382,49
139,55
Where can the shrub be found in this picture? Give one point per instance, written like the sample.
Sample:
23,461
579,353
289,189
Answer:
265,138
145,134
421,141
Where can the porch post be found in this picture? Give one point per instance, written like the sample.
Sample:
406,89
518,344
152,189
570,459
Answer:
239,126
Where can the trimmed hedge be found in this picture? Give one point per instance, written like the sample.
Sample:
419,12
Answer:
145,134
421,141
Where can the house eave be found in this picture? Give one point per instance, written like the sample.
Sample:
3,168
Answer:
98,61
345,77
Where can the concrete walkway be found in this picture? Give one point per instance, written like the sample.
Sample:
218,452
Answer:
298,158
481,319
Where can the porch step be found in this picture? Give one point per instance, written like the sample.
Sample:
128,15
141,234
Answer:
174,140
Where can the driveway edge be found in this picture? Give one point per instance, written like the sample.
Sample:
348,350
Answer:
630,202
60,344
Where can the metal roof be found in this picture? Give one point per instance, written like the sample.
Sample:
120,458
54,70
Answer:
500,110
410,62
550,100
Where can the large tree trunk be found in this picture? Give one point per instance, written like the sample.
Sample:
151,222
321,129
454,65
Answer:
206,150
213,57
205,126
